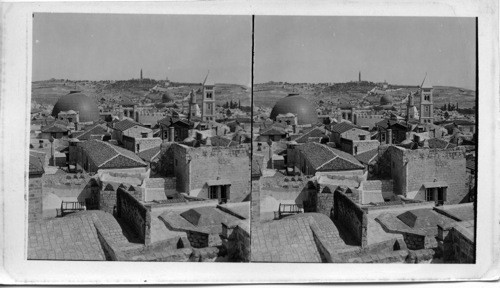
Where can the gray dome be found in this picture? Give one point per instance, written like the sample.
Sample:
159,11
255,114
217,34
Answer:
166,97
79,102
386,100
306,114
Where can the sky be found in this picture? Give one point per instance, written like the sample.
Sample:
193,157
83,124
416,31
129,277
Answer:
116,47
400,50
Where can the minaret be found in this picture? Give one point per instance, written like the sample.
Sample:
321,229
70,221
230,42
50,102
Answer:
192,104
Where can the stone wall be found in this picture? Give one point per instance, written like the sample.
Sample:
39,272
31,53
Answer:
355,147
134,213
324,203
197,239
144,143
195,166
414,241
35,202
456,245
351,217
255,201
236,240
411,168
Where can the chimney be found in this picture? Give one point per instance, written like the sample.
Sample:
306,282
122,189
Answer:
294,127
389,136
352,114
171,132
339,117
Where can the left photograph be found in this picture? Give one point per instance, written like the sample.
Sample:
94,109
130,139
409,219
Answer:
140,134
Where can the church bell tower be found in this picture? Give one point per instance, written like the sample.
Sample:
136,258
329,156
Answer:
426,105
208,106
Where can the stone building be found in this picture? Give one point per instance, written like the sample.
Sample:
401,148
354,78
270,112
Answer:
347,131
130,128
70,116
427,174
212,172
175,129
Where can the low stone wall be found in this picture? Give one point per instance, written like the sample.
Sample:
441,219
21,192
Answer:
134,213
455,245
197,239
236,241
35,202
414,241
351,216
324,203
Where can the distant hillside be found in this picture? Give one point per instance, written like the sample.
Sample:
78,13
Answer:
266,94
49,91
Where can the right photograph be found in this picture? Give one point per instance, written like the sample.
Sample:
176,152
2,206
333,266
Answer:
364,139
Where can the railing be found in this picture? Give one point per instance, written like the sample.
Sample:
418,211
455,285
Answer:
288,209
68,207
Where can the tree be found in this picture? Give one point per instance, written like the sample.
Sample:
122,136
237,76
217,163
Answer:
446,115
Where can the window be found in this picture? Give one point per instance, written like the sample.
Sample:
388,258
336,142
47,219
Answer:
212,192
356,150
429,194
437,195
209,95
224,194
362,137
176,162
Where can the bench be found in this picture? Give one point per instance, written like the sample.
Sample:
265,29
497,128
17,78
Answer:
288,209
69,207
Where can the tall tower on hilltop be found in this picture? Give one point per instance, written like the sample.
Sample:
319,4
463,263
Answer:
359,77
141,74
208,104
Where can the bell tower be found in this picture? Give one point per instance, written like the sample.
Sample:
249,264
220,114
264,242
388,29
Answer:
426,105
208,106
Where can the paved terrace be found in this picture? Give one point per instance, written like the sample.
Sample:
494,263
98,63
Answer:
291,239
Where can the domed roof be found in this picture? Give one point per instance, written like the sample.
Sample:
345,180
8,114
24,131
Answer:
295,104
166,97
78,102
385,100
